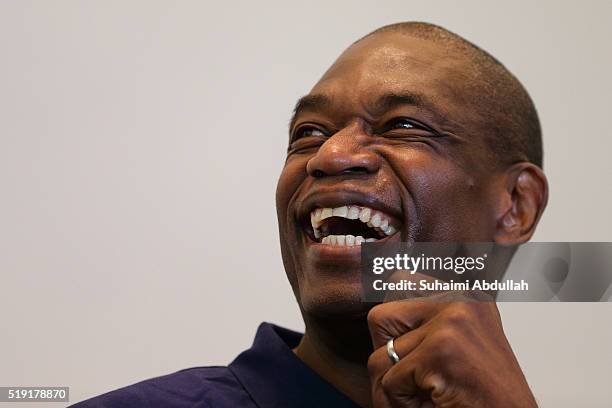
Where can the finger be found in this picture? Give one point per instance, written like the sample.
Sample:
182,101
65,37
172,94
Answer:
390,320
408,383
397,385
380,362
416,293
393,319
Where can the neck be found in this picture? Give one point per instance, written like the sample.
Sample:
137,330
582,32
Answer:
338,349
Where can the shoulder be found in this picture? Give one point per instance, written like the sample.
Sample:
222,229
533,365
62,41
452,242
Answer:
199,386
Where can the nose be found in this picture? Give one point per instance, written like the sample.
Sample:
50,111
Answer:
343,153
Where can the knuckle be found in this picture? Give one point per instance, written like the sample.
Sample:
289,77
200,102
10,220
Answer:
378,315
387,383
460,315
445,341
388,312
446,351
374,363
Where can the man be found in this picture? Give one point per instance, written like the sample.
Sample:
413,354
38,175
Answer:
413,134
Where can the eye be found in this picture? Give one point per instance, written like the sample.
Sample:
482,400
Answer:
408,129
305,138
308,131
403,123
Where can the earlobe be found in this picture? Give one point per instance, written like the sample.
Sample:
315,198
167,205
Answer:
526,196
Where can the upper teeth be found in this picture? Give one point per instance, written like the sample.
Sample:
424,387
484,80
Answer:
372,218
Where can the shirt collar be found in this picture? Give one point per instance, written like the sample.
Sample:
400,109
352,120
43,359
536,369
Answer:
275,377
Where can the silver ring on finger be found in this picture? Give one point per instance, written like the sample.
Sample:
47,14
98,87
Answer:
391,352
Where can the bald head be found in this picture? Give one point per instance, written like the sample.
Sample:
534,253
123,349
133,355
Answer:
510,119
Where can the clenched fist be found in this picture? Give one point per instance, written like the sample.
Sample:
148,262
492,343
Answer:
453,353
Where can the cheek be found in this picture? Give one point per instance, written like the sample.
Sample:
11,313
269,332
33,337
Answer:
290,180
449,199
292,176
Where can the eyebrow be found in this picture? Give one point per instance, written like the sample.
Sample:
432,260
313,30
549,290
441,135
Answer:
385,102
313,103
389,101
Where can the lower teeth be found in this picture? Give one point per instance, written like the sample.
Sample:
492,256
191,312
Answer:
345,240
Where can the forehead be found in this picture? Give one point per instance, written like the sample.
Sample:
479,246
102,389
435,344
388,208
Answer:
398,64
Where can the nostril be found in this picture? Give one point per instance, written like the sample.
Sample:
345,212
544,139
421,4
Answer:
352,170
355,170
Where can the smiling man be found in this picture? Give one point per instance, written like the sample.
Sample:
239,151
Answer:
414,135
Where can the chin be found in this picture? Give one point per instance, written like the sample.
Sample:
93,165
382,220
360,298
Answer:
334,300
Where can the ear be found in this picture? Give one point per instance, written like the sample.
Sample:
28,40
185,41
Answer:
525,194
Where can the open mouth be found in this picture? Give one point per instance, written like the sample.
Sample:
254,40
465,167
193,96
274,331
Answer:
349,225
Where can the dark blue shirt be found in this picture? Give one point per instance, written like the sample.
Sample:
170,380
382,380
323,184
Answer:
267,375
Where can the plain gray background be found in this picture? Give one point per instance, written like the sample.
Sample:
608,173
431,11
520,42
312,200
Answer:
140,143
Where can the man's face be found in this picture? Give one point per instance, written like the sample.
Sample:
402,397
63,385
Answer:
389,136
